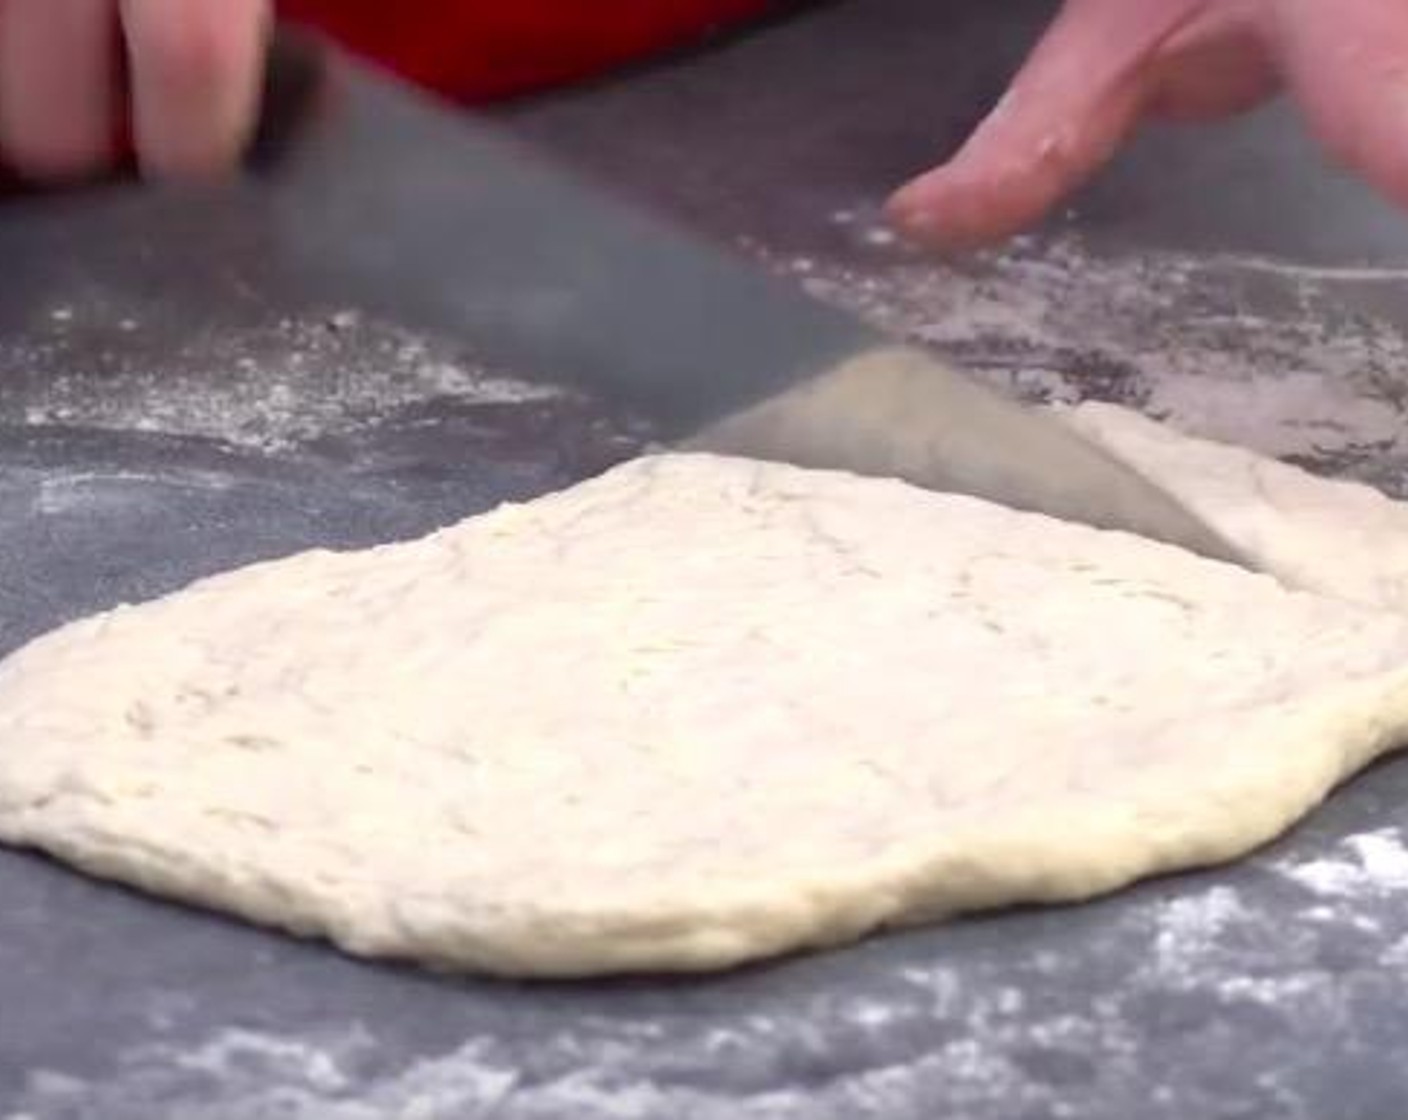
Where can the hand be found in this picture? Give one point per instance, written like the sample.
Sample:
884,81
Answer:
1105,65
190,87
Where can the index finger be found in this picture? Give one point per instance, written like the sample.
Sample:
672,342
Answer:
197,69
1079,94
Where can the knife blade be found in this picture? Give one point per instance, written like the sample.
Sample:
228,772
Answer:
460,228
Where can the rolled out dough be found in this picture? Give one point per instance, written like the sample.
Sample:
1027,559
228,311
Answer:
701,710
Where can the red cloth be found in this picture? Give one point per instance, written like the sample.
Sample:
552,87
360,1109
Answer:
482,49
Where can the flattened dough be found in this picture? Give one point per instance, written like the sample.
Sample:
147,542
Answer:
695,711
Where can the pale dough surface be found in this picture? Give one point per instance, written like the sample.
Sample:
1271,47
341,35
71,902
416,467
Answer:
701,710
1339,538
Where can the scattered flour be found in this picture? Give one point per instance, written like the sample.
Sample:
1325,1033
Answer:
1272,355
1188,929
1371,863
265,388
968,1031
81,492
1281,357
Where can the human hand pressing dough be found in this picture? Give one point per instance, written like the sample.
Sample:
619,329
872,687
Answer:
1105,66
186,73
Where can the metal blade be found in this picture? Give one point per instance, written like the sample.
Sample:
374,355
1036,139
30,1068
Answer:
898,412
440,219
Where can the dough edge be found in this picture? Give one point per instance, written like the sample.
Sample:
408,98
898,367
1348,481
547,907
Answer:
1028,860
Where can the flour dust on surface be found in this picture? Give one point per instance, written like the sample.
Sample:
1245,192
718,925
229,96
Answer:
1300,362
265,387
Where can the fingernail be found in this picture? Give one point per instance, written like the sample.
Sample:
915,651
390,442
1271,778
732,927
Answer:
906,208
914,214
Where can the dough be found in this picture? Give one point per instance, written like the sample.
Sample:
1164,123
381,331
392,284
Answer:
695,711
1318,534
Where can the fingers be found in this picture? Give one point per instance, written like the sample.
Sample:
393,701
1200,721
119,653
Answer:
1347,63
196,71
1218,66
1077,97
57,86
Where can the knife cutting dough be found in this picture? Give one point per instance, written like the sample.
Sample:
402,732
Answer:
701,710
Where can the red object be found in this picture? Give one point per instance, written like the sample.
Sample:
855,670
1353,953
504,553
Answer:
483,49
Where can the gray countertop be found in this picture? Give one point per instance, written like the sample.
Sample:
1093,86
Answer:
167,409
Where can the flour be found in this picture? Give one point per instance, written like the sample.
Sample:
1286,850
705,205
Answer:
1257,352
266,388
1188,930
1369,864
84,492
601,1071
931,1031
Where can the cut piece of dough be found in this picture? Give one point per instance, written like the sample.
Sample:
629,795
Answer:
692,712
1318,534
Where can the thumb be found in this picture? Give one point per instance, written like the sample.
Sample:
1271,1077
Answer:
1077,97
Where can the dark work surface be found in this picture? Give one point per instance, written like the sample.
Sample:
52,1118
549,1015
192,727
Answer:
173,402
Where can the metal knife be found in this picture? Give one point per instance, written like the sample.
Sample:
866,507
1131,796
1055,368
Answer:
460,229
